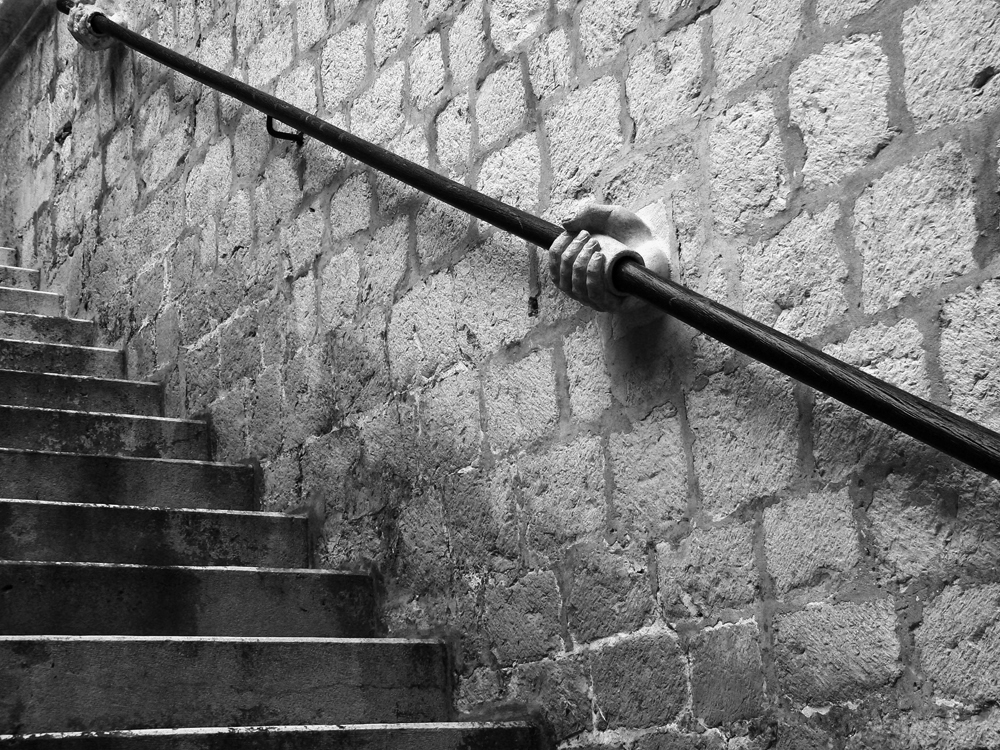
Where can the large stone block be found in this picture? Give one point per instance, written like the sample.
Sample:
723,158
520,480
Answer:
832,653
751,35
499,104
549,63
466,43
513,173
422,332
585,135
970,348
514,21
639,680
810,539
651,474
522,617
390,22
844,438
745,427
603,26
587,373
838,100
563,491
664,82
384,262
916,227
520,400
710,571
609,594
492,289
748,172
796,281
838,11
959,643
560,688
273,55
727,674
947,46
426,71
377,114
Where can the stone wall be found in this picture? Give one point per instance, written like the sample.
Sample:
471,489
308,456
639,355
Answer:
657,542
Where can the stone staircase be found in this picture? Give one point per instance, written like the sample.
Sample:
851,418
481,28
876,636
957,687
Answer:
144,604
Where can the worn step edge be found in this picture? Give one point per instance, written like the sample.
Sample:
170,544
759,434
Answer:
97,683
16,276
416,736
103,433
45,530
29,300
47,329
86,598
66,391
83,478
37,356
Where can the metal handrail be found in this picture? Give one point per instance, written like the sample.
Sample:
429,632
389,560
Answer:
961,438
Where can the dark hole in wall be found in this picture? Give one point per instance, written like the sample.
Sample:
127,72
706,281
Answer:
983,77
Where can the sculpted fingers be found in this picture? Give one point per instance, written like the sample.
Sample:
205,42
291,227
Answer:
555,255
567,260
581,283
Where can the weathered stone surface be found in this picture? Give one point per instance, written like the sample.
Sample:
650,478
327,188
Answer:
513,173
454,135
522,618
838,100
426,71
748,173
499,104
514,21
709,571
651,473
377,114
970,346
560,688
831,653
844,438
384,261
750,35
809,540
491,296
422,335
915,227
795,282
589,381
745,445
945,47
664,82
639,680
344,64
563,490
549,63
960,643
610,592
520,400
838,11
585,123
727,676
603,25
465,43
390,22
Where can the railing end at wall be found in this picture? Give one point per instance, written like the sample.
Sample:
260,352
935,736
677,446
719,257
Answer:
933,425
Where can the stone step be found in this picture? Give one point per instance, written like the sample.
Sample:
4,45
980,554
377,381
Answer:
30,301
34,356
29,428
121,480
8,256
80,393
20,278
71,532
93,684
429,736
69,598
47,329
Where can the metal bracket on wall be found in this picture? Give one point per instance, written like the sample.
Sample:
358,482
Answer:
297,137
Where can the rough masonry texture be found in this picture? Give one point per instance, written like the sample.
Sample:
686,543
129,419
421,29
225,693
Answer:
654,541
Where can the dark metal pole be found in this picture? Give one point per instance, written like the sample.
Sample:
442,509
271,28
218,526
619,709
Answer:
960,438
